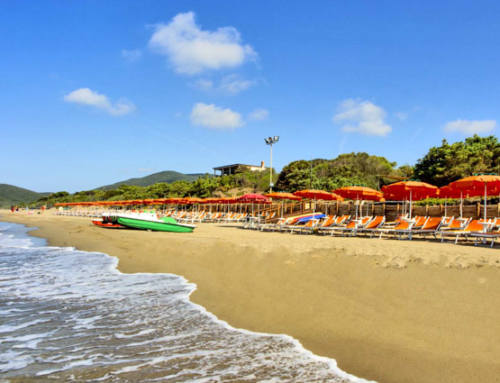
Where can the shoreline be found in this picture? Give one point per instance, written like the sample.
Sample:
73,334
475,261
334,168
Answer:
385,310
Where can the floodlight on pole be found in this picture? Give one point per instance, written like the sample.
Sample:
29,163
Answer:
270,141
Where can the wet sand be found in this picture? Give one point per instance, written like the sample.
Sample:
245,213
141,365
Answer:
388,310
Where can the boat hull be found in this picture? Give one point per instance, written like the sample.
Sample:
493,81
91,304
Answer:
155,226
108,225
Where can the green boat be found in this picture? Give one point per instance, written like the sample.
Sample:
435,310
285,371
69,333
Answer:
164,224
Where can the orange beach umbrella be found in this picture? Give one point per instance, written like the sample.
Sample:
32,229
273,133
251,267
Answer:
359,193
362,193
477,185
282,195
318,194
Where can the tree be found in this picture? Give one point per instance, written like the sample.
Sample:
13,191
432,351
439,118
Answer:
406,171
345,170
446,163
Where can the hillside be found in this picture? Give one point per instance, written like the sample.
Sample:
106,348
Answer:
13,195
167,176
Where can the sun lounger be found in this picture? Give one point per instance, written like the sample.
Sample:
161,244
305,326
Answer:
455,224
308,227
275,225
475,226
352,226
431,226
413,224
484,237
339,221
293,224
373,226
396,222
404,226
329,221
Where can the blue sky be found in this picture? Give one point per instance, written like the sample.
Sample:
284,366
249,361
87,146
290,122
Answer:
94,92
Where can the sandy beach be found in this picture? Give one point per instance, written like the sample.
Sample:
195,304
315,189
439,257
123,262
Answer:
388,310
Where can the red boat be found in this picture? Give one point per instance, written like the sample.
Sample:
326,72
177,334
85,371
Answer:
109,225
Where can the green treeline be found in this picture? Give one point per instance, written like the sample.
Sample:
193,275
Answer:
439,166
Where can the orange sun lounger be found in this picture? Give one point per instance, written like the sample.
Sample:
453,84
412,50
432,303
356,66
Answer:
473,227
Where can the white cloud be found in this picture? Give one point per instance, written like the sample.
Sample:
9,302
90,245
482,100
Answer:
470,127
259,114
192,50
234,84
131,55
86,96
214,117
363,117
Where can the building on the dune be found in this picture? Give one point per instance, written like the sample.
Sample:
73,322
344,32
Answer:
237,168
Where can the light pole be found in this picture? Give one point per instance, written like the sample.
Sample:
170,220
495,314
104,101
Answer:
270,141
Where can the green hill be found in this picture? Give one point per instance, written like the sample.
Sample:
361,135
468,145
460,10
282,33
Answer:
13,195
167,176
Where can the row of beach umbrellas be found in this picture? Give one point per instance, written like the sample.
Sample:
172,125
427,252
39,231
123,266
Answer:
480,185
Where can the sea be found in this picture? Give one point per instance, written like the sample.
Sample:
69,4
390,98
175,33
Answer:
71,316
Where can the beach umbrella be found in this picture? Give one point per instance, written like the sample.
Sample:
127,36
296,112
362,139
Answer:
318,194
448,192
283,196
477,186
409,190
358,193
253,198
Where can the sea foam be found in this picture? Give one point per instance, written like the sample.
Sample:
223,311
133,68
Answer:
71,315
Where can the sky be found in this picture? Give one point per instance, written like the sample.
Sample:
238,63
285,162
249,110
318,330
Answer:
94,92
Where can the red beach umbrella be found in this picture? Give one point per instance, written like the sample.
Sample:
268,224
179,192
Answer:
448,192
253,198
477,185
409,190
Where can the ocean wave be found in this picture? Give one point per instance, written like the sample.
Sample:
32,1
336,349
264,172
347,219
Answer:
71,315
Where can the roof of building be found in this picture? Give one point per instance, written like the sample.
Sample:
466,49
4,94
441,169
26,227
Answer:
234,166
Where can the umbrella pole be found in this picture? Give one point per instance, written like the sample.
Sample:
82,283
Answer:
461,203
445,208
410,204
485,202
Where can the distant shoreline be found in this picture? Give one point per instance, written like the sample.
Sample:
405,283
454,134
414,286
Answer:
391,311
